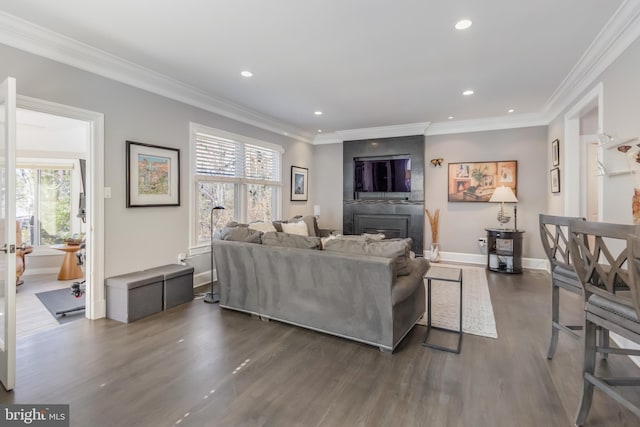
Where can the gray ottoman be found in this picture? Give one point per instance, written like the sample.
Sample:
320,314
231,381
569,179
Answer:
178,283
133,296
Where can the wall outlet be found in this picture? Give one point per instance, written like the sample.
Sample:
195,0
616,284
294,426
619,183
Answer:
181,258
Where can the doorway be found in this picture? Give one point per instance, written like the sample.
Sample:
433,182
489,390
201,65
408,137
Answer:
93,130
50,150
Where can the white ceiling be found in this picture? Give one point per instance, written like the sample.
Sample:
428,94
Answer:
364,63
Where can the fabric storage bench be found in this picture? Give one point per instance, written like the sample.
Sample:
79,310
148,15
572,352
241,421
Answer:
178,283
133,296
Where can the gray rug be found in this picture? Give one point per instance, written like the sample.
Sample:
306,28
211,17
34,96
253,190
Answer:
62,300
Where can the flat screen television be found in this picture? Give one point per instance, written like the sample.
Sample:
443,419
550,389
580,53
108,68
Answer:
390,174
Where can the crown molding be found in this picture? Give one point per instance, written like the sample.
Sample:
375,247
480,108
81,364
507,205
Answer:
26,36
512,121
620,31
327,138
372,133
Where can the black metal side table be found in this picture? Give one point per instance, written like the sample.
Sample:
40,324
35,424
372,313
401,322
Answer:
444,274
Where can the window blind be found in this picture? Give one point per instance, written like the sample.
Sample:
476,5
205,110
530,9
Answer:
221,157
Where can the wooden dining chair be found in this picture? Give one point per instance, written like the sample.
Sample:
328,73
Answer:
607,262
554,232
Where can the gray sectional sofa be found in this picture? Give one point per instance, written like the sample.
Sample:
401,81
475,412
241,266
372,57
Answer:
355,296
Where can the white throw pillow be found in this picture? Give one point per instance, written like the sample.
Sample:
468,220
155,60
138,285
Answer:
265,227
299,228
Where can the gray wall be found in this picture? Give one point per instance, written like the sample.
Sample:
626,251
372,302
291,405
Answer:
327,186
462,223
139,238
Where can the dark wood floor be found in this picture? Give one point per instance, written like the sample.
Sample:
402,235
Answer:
198,365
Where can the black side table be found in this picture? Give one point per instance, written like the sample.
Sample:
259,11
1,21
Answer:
504,250
446,275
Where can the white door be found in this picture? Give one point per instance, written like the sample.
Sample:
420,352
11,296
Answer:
8,233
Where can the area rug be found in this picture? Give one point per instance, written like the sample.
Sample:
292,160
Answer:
478,318
62,300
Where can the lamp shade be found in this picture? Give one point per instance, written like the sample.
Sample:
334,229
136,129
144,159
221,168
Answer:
503,194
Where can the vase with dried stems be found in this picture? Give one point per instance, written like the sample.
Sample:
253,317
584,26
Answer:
434,219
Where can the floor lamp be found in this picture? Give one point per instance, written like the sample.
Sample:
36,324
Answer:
213,297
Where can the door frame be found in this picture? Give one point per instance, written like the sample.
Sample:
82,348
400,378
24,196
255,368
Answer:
94,268
573,166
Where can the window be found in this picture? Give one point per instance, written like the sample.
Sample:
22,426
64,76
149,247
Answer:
239,173
43,203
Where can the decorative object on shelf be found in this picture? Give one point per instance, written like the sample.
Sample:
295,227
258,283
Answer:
213,297
153,175
555,180
504,195
437,162
476,181
555,152
434,220
299,184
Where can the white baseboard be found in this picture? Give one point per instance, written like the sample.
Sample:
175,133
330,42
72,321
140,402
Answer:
204,278
481,259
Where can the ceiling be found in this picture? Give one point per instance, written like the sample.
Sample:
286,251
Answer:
363,63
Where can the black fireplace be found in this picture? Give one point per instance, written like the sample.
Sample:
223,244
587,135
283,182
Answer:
395,214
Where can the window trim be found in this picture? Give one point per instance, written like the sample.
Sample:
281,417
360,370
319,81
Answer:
196,247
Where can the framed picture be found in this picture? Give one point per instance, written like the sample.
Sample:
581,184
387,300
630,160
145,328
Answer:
153,175
555,152
555,180
476,181
299,184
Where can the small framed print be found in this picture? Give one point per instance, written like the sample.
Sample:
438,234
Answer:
504,245
555,180
555,152
299,184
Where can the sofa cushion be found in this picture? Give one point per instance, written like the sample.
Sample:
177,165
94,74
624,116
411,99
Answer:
243,234
291,241
299,228
265,227
397,249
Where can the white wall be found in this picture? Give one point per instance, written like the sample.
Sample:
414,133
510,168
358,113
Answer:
621,109
138,238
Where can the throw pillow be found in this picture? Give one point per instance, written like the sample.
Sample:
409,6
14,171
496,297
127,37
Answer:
311,221
397,249
299,228
290,241
265,227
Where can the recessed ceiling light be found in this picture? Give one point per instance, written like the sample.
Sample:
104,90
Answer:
511,111
319,130
450,117
317,113
246,73
463,24
467,92
285,133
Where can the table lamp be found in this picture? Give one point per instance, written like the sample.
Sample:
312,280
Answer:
504,194
213,297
